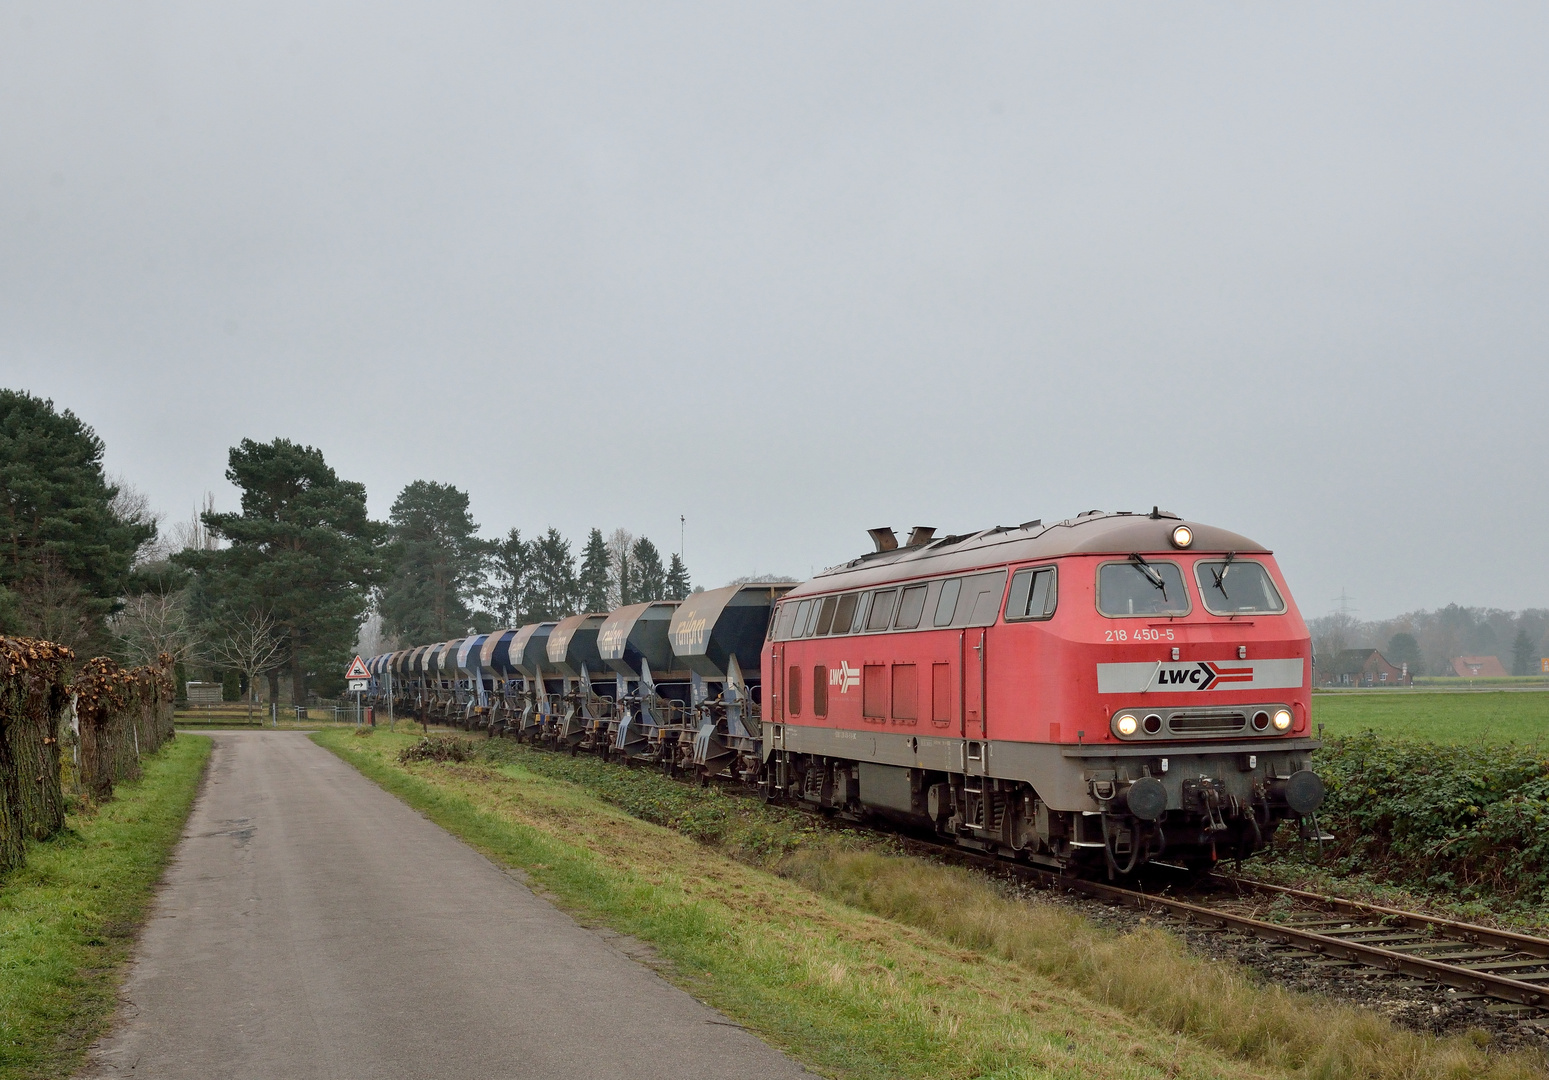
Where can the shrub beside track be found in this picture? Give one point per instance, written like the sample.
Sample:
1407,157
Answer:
1471,822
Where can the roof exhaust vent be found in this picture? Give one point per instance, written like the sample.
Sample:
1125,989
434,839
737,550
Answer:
885,539
920,534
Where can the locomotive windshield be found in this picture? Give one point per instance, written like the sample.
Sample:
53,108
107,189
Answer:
1234,587
1140,587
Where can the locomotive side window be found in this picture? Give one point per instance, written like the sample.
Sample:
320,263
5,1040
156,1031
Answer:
1141,588
819,690
979,603
793,692
784,621
812,618
844,618
947,604
910,607
1235,587
1033,594
826,614
882,609
800,626
862,605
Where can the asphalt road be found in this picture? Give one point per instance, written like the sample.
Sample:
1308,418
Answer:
311,925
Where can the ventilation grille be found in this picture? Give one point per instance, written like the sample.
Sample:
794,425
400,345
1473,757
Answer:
1203,723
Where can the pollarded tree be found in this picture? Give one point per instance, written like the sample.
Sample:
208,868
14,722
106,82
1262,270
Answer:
435,563
60,537
650,580
593,580
302,550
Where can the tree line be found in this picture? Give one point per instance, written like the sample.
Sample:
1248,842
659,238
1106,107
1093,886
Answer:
1429,640
279,588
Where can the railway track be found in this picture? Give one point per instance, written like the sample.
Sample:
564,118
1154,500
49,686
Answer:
1332,932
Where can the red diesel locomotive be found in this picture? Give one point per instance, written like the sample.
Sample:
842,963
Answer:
1096,692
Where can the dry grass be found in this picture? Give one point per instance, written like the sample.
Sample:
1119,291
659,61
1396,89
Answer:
1147,973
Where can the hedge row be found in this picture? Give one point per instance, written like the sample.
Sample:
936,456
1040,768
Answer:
1473,821
119,715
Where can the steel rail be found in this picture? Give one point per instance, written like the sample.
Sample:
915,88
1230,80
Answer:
1450,928
1463,978
1486,983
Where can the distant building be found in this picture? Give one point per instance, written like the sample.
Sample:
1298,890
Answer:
1478,667
1362,667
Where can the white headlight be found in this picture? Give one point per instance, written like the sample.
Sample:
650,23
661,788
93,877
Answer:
1126,724
1282,719
1183,536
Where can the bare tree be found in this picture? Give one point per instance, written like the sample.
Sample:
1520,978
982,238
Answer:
619,565
52,606
252,645
154,623
191,534
133,506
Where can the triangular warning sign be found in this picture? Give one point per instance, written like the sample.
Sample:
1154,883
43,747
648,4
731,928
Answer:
357,670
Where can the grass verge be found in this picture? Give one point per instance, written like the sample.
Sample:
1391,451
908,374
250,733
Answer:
1438,716
68,918
865,963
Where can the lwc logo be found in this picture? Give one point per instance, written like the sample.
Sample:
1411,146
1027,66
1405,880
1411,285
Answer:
1201,676
844,676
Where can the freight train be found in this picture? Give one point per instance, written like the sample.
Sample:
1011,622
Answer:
1090,694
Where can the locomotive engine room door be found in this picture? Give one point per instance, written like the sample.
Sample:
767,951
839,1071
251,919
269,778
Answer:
975,646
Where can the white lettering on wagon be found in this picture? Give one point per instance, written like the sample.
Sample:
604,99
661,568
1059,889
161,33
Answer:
1200,675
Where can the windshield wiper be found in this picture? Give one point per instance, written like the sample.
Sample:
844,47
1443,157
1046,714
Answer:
1151,575
1225,569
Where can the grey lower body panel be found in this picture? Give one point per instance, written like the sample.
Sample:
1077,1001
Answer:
1061,775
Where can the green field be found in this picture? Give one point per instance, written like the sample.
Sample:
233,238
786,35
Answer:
1502,716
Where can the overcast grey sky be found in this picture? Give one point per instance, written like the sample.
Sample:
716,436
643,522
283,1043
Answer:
797,270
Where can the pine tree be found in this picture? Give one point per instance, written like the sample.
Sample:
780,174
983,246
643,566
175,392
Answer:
437,564
510,579
1522,658
1404,649
302,550
677,584
593,580
65,554
553,593
650,581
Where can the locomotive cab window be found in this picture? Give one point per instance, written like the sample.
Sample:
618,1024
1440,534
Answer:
1033,594
1148,587
1237,587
